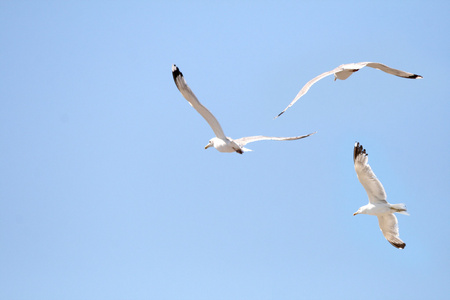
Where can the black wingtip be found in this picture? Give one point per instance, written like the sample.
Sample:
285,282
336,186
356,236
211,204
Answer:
279,115
415,76
398,245
357,150
176,72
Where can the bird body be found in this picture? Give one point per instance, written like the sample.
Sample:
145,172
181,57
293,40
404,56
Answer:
227,145
374,210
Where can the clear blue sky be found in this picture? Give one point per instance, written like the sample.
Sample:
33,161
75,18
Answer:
106,191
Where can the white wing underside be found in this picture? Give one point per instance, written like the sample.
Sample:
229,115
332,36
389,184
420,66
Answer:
193,101
369,181
344,71
245,140
389,226
305,89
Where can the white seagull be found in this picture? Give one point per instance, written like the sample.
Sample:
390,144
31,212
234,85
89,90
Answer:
378,206
344,71
221,142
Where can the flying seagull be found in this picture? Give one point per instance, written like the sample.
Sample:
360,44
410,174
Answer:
378,206
344,71
221,142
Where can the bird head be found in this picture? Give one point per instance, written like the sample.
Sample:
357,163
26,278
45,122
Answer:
210,144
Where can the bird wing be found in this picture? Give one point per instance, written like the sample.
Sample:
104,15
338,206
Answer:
389,226
305,89
245,140
366,176
193,101
344,71
392,71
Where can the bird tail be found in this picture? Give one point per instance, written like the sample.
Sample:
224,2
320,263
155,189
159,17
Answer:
399,208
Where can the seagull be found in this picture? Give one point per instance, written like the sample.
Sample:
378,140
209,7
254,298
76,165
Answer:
344,71
221,142
378,206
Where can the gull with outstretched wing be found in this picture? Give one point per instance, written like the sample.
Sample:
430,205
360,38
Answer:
378,206
221,142
344,71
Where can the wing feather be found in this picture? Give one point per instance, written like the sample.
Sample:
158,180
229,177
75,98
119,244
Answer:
389,226
393,71
366,176
182,86
245,140
305,89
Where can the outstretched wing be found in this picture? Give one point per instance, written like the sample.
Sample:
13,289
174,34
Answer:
193,101
344,71
305,89
366,176
245,140
393,71
389,226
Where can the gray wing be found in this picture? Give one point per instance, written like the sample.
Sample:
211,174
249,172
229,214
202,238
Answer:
245,140
393,71
193,101
305,89
389,227
344,71
366,176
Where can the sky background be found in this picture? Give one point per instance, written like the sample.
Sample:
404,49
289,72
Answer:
106,191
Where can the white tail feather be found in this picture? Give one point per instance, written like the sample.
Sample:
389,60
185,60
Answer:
400,208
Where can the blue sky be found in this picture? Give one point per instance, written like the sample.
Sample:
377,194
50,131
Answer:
106,191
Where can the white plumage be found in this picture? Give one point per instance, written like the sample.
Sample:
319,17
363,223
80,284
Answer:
221,142
344,71
378,206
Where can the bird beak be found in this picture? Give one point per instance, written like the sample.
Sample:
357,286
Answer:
207,146
355,214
